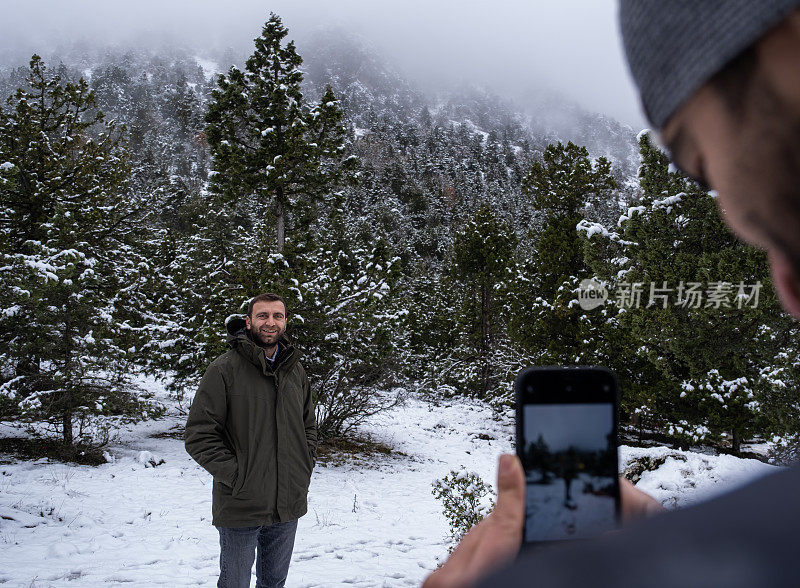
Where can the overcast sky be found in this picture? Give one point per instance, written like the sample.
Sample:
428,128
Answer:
513,46
583,426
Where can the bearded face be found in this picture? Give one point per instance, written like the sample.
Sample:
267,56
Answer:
267,324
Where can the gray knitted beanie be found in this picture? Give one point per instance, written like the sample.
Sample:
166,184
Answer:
675,46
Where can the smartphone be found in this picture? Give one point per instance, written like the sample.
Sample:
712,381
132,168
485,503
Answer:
567,442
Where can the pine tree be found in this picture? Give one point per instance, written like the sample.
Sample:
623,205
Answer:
271,152
274,152
348,317
68,285
483,263
196,289
268,145
713,349
547,320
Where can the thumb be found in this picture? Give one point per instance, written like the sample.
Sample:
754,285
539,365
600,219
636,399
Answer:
510,509
501,531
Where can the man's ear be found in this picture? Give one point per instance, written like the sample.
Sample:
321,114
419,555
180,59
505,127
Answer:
247,321
787,282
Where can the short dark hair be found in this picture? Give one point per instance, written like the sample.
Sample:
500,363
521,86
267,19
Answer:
267,297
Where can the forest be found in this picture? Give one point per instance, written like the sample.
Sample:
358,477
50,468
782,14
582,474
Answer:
435,244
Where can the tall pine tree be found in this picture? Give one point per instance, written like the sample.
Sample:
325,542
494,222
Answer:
70,271
268,145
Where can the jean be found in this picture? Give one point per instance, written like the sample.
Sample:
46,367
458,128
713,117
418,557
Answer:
238,546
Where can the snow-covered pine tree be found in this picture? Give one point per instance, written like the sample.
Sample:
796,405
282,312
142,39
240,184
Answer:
349,318
710,325
70,271
268,145
195,287
275,219
483,265
547,320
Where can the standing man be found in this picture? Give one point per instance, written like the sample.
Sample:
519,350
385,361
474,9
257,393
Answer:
720,81
252,427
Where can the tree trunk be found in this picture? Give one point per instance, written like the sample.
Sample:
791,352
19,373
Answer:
66,422
486,340
281,217
736,442
67,400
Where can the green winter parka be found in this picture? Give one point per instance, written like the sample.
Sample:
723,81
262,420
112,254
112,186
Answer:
253,428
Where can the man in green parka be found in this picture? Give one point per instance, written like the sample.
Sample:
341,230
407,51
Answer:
252,427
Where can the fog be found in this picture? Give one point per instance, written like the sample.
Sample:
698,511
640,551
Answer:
518,48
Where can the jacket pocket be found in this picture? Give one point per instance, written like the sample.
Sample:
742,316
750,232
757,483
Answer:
309,460
241,472
304,471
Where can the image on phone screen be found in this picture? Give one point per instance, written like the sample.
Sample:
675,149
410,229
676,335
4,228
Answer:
569,457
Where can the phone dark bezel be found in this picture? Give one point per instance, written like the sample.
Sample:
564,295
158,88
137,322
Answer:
585,390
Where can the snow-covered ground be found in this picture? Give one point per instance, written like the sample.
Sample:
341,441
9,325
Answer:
585,515
369,524
687,477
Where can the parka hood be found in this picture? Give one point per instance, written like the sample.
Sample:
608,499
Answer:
234,324
239,339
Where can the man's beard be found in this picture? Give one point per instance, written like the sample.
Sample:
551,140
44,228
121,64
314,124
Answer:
264,339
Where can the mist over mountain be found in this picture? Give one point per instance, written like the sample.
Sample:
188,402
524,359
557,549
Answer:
540,116
368,80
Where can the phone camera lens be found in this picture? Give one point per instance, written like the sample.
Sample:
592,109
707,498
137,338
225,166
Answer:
530,389
606,388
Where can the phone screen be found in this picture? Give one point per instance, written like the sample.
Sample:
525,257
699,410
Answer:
569,453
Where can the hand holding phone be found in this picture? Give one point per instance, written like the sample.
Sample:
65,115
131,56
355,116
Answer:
567,442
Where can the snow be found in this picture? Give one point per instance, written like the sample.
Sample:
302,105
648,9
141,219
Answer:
591,228
631,211
144,518
688,477
668,202
586,514
473,128
144,525
210,68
